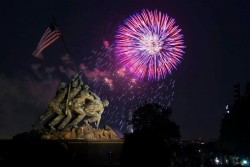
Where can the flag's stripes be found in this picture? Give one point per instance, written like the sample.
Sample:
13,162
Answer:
44,35
50,36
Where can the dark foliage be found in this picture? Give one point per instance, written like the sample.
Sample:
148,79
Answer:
154,117
154,137
235,127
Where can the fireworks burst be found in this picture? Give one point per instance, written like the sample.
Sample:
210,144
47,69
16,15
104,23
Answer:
149,43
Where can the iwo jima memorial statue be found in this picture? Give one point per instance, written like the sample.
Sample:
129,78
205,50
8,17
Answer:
68,131
69,127
73,103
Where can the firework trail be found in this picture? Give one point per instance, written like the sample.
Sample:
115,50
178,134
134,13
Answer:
150,44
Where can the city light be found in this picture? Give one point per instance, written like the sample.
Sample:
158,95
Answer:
244,162
217,161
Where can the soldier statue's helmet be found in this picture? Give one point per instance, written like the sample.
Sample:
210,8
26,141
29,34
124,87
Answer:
105,103
62,85
85,86
74,84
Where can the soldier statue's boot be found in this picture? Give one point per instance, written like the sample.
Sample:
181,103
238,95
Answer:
64,129
52,127
86,122
72,125
75,126
65,122
55,122
60,127
42,118
97,125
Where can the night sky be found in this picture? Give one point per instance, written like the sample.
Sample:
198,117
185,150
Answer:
217,56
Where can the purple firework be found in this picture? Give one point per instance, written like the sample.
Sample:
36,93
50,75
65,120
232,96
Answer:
149,44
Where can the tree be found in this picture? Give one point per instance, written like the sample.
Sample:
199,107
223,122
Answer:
154,137
154,117
235,127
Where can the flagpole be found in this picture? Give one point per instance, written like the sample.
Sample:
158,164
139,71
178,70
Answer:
72,62
66,47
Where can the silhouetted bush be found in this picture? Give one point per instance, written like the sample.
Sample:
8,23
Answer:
154,137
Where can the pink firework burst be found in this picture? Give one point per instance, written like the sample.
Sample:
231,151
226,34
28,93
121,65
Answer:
149,44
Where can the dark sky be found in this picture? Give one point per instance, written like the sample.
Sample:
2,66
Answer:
216,36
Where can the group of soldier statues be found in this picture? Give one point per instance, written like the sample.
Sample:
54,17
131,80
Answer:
74,98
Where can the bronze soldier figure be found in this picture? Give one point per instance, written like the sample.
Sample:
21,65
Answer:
94,109
54,106
78,105
76,87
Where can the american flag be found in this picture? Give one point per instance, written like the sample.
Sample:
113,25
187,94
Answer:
51,35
